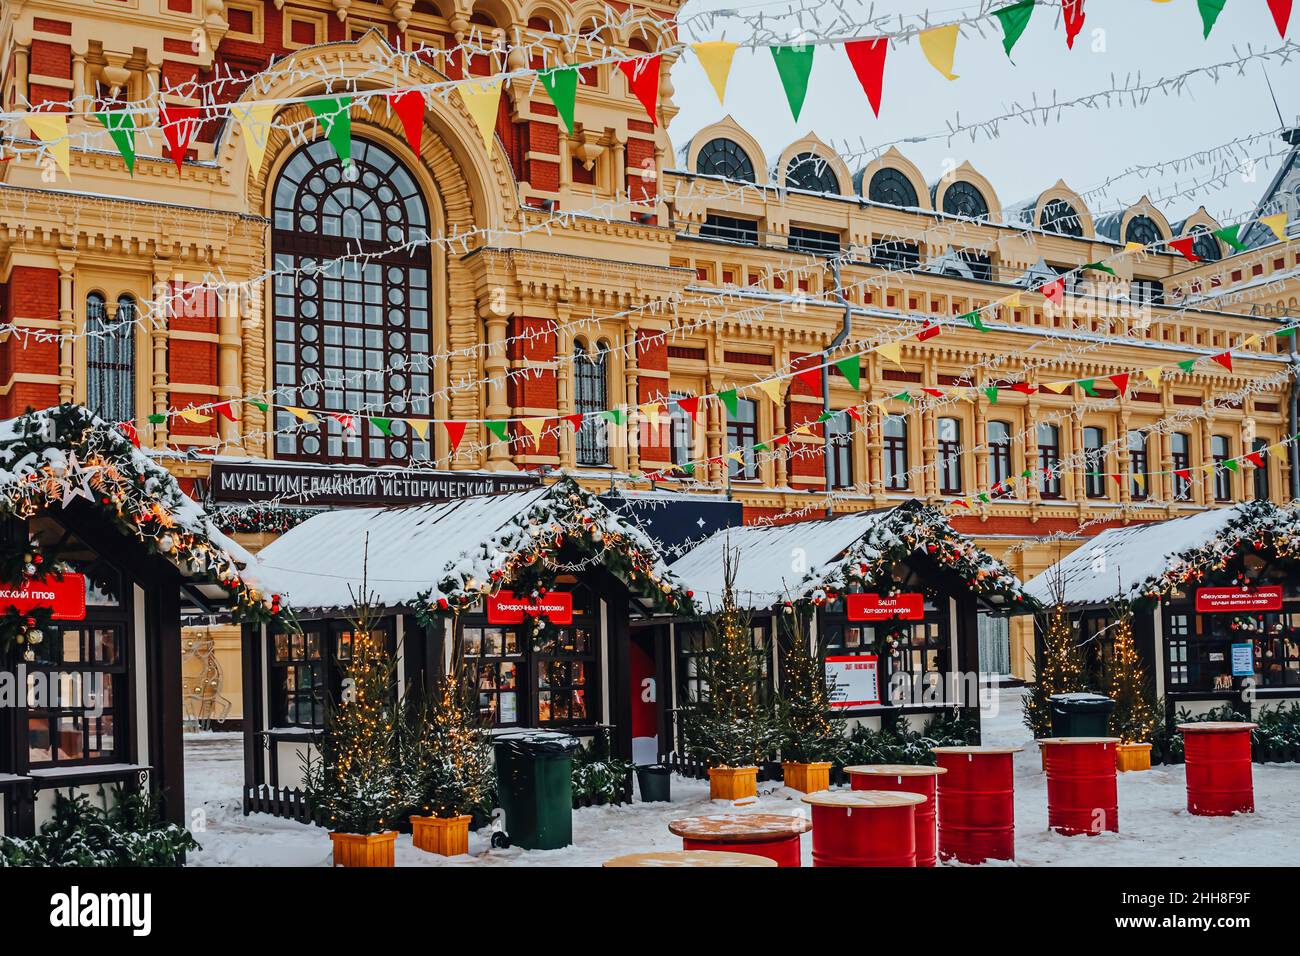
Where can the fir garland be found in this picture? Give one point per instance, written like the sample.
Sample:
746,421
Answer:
257,518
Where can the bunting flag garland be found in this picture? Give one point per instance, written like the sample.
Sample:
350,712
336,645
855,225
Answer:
482,101
226,411
500,429
128,429
255,123
1054,291
1099,267
1228,235
615,416
929,332
52,129
1186,365
335,116
419,427
1255,458
259,405
851,369
643,80
1210,10
772,389
409,107
1058,387
1072,10
868,59
561,85
715,57
1087,385
892,351
385,425
793,65
304,416
1120,382
575,420
1183,247
1013,19
973,318
939,45
1276,224
455,432
194,416
179,124
811,377
728,399
534,427
346,422
691,406
1224,359
650,412
121,128
1153,374
1281,10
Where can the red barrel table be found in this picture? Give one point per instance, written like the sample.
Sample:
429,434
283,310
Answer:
679,858
863,827
1081,790
773,835
1219,781
977,808
908,778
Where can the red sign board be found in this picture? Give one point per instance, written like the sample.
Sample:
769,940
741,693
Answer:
505,607
1224,600
66,597
909,606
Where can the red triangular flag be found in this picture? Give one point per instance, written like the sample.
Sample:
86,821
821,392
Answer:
868,59
574,420
1073,10
128,429
781,440
455,432
1281,14
1255,458
1121,382
1024,388
929,332
225,410
346,421
1119,480
179,124
854,412
1183,247
1224,359
812,377
1184,473
1053,291
643,80
409,107
691,406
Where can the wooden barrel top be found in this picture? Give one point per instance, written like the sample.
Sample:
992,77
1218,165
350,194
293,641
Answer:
675,858
975,749
896,770
864,799
1079,740
740,827
1217,726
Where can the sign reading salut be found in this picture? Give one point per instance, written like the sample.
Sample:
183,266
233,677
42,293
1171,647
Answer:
305,485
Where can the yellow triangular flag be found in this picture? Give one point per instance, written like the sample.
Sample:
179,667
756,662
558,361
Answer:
650,412
715,56
1133,247
1057,387
1013,300
1153,373
772,389
736,455
482,101
1277,223
193,415
535,426
892,351
1140,480
1276,448
939,45
52,129
420,426
804,429
1248,341
300,413
255,121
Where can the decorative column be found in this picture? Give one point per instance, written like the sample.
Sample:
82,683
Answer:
1208,478
160,323
981,441
929,455
633,424
229,371
497,407
22,60
1033,490
1125,459
566,440
67,325
81,104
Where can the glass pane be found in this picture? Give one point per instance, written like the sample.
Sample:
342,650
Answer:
282,647
71,744
105,644
71,647
38,740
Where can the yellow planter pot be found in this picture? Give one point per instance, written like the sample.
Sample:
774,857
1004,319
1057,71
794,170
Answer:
364,849
807,777
446,836
1132,757
733,783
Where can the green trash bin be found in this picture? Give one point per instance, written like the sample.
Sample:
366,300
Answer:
1081,714
535,787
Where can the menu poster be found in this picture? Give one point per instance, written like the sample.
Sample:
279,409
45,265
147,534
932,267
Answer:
1243,659
853,681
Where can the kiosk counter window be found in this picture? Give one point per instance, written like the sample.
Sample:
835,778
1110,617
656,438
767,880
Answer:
692,667
1207,652
920,649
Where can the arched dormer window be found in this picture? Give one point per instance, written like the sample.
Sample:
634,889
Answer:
1060,217
963,199
891,187
110,358
1205,247
812,172
1142,229
722,157
591,397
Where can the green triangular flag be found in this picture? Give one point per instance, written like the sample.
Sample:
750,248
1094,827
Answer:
992,394
121,127
562,87
500,429
824,416
1100,267
615,415
688,468
1087,386
157,419
1230,464
1014,19
1282,332
1210,10
1186,365
728,398
903,397
1027,473
984,498
794,64
260,406
385,425
851,370
1229,235
975,321
335,115
761,446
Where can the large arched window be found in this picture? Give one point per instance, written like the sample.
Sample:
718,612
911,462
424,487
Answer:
110,358
812,172
890,186
963,199
1205,247
1142,229
591,397
351,306
722,157
1060,217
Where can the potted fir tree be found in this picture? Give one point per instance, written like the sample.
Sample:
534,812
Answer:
354,784
450,759
732,729
810,740
1135,717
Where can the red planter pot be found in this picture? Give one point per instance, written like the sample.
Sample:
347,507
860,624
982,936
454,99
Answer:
1082,797
1219,781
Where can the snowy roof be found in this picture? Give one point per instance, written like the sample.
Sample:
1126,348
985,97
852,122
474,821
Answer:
407,552
1117,562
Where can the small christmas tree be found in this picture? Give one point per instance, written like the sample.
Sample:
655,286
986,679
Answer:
808,735
1135,718
733,726
1059,670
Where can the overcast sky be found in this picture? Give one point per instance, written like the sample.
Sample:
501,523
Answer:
1120,38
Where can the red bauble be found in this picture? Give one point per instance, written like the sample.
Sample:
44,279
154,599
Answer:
30,622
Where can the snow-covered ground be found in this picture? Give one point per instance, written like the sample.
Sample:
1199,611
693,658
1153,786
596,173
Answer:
1155,828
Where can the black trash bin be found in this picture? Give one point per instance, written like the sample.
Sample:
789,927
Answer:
1080,714
655,783
535,787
